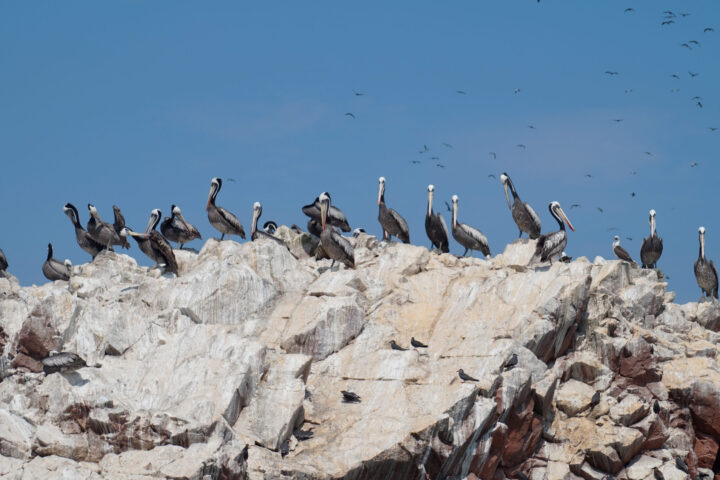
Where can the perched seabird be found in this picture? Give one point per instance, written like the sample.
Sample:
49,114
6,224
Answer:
680,464
223,221
350,397
465,377
658,474
416,343
620,252
62,362
301,435
119,224
595,399
705,271
564,258
55,269
155,245
358,231
176,229
523,214
102,232
552,244
335,217
270,227
435,226
652,246
314,227
84,239
3,261
392,223
334,245
395,346
469,237
656,406
510,363
254,232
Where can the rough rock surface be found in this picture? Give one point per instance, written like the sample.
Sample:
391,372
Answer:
222,372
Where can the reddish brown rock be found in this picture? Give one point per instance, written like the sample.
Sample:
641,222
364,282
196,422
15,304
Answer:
24,362
637,362
524,434
37,338
498,441
706,449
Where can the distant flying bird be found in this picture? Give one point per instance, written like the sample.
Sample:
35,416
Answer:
611,73
667,22
669,13
696,98
694,42
632,194
694,164
633,172
648,154
684,14
574,205
516,91
712,129
425,148
674,90
231,180
494,155
447,145
531,126
350,114
693,75
708,29
628,90
699,104
520,145
629,238
415,161
618,120
492,176
358,94
675,76
588,175
628,10
599,209
686,46
440,165
447,205
434,158
461,92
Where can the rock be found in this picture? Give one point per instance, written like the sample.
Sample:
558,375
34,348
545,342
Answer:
16,435
629,410
574,397
642,467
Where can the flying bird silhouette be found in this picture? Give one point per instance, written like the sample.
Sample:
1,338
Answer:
461,92
693,75
492,176
628,90
516,91
611,73
447,205
632,194
588,175
599,209
686,46
574,205
675,76
699,104
628,10
358,94
350,114
440,165
694,42
712,129
629,238
667,22
618,120
648,154
531,126
415,161
684,14
447,145
520,145
494,155
434,158
696,98
694,164
708,29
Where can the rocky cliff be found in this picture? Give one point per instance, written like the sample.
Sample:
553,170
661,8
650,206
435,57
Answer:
225,371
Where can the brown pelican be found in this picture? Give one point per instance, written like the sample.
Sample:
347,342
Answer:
254,232
705,271
155,245
392,223
467,236
84,239
55,269
221,219
176,229
3,261
564,258
62,362
119,224
103,233
620,252
335,217
358,231
651,247
435,226
523,214
335,245
552,244
270,227
314,227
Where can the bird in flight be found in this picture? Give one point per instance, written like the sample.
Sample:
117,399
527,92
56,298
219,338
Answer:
696,98
628,10
434,158
494,155
588,175
350,114
415,161
447,145
520,145
684,14
231,180
675,76
425,149
712,129
694,42
669,13
699,104
611,73
492,176
675,90
516,91
708,29
618,120
633,172
628,90
531,127
632,194
693,75
629,238
686,46
358,94
667,22
694,164
599,209
574,205
440,165
447,205
461,92
648,154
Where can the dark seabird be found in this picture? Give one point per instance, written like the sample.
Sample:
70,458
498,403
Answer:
155,245
314,227
656,407
3,261
358,231
335,217
705,271
465,377
658,474
395,346
223,221
254,232
102,232
564,258
350,397
83,238
270,227
176,229
595,399
285,448
301,435
552,244
651,247
55,269
416,343
119,224
335,245
435,226
523,214
469,237
620,252
62,362
392,223
511,363
680,464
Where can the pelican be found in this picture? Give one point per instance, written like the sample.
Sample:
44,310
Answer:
254,232
552,244
651,247
3,261
223,221
119,224
620,252
176,229
435,226
705,271
84,239
103,233
153,244
335,245
270,227
523,214
564,258
314,227
55,269
335,217
467,236
392,223
358,231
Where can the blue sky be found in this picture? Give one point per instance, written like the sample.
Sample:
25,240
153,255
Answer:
140,104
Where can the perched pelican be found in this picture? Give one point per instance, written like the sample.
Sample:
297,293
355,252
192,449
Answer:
435,226
392,223
467,236
358,231
223,221
103,233
84,239
153,244
335,217
523,214
62,362
620,252
564,258
55,269
3,261
651,247
552,244
705,271
335,245
270,227
119,224
176,229
314,227
254,232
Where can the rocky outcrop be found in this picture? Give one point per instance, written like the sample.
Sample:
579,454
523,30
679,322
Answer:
234,369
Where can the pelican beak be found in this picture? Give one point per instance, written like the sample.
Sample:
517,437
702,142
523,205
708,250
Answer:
183,221
380,192
562,213
150,223
212,188
507,196
323,214
254,221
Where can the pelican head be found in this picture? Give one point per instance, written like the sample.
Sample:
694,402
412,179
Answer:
455,199
324,200
558,213
155,217
701,230
358,231
270,227
651,220
257,206
175,210
454,210
72,213
381,190
93,211
215,185
431,188
505,180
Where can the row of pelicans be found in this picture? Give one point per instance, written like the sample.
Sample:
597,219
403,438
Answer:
325,217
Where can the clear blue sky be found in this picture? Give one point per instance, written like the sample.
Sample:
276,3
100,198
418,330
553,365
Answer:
140,104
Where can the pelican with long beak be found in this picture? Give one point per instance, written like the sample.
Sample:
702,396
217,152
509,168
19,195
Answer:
55,269
525,217
155,245
435,226
335,217
651,247
254,232
3,262
103,233
467,236
119,224
223,221
392,223
176,229
335,245
84,239
705,271
552,244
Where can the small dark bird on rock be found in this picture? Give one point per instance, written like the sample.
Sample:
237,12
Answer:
395,346
658,474
62,362
510,363
416,343
680,464
285,448
350,397
656,407
302,435
564,258
595,399
465,377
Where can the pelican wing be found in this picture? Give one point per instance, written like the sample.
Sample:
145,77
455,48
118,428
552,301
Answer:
232,220
477,236
399,219
343,243
533,215
443,225
64,360
622,254
162,247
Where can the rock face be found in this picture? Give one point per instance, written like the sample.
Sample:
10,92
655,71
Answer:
234,369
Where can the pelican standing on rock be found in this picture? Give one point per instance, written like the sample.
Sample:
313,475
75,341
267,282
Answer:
705,271
435,226
84,239
335,245
467,236
3,261
55,269
223,221
103,233
523,214
335,217
392,223
620,252
155,245
651,247
176,229
119,224
553,244
254,232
